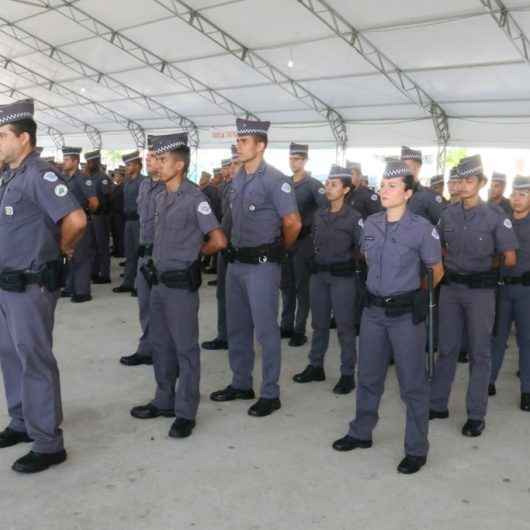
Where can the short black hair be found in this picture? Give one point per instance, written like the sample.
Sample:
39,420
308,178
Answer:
183,153
26,126
410,183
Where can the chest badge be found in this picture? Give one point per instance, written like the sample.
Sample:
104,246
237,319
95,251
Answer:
9,210
252,208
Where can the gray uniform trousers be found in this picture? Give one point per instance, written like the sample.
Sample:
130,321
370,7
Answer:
144,296
332,292
380,337
475,309
220,293
80,266
514,307
101,264
31,375
174,335
295,293
132,242
252,293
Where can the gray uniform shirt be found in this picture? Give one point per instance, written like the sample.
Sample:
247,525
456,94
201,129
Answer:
505,204
395,252
182,220
258,203
336,235
365,201
310,195
131,189
521,227
473,237
427,204
148,190
33,199
81,187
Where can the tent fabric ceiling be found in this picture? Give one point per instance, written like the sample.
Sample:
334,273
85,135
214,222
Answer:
454,50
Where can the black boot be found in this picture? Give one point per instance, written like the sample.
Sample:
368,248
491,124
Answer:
231,394
438,414
525,402
264,407
215,344
136,359
310,373
492,390
80,298
349,443
345,385
463,357
297,339
181,428
36,462
473,428
123,289
9,437
286,333
411,464
149,411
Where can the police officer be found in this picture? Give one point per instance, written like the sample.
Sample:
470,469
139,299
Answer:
336,236
221,341
514,296
496,192
424,202
438,186
310,195
397,245
100,218
454,185
472,233
362,198
83,190
148,191
131,188
183,218
39,220
265,222
117,223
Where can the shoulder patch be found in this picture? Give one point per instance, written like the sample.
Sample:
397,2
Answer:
88,182
438,199
360,222
61,190
374,197
321,190
508,224
435,234
204,208
50,176
105,181
286,187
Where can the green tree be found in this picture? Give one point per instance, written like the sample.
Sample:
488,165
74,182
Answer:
454,156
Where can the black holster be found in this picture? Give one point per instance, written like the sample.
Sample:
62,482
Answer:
13,281
189,279
420,307
526,279
150,274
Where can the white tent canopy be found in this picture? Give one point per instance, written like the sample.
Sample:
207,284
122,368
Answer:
108,71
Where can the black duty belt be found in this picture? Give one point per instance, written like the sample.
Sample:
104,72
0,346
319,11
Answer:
518,280
145,251
473,280
255,255
189,279
346,268
52,277
131,216
403,301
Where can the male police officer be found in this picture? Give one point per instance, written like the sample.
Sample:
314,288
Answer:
363,199
310,195
265,222
454,185
496,192
437,186
100,218
183,218
514,296
148,191
473,234
424,202
39,220
84,191
398,245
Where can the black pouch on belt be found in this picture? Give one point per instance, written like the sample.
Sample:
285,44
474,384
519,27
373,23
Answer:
420,306
13,281
53,276
148,271
342,270
526,279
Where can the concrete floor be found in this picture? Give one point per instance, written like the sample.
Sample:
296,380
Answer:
238,472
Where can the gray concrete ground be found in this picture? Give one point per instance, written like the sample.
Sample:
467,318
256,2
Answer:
238,472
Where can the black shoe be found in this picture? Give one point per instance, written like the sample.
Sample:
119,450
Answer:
438,414
134,293
392,362
136,359
149,411
80,298
473,428
231,394
94,277
9,437
525,402
122,263
345,385
349,443
264,407
333,323
518,374
310,373
123,289
492,390
212,283
36,462
100,281
297,339
411,464
215,344
286,333
66,294
181,428
463,357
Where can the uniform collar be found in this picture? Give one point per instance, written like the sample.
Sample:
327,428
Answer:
380,219
303,180
261,169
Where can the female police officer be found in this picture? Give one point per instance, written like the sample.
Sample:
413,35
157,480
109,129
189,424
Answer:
396,244
336,235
